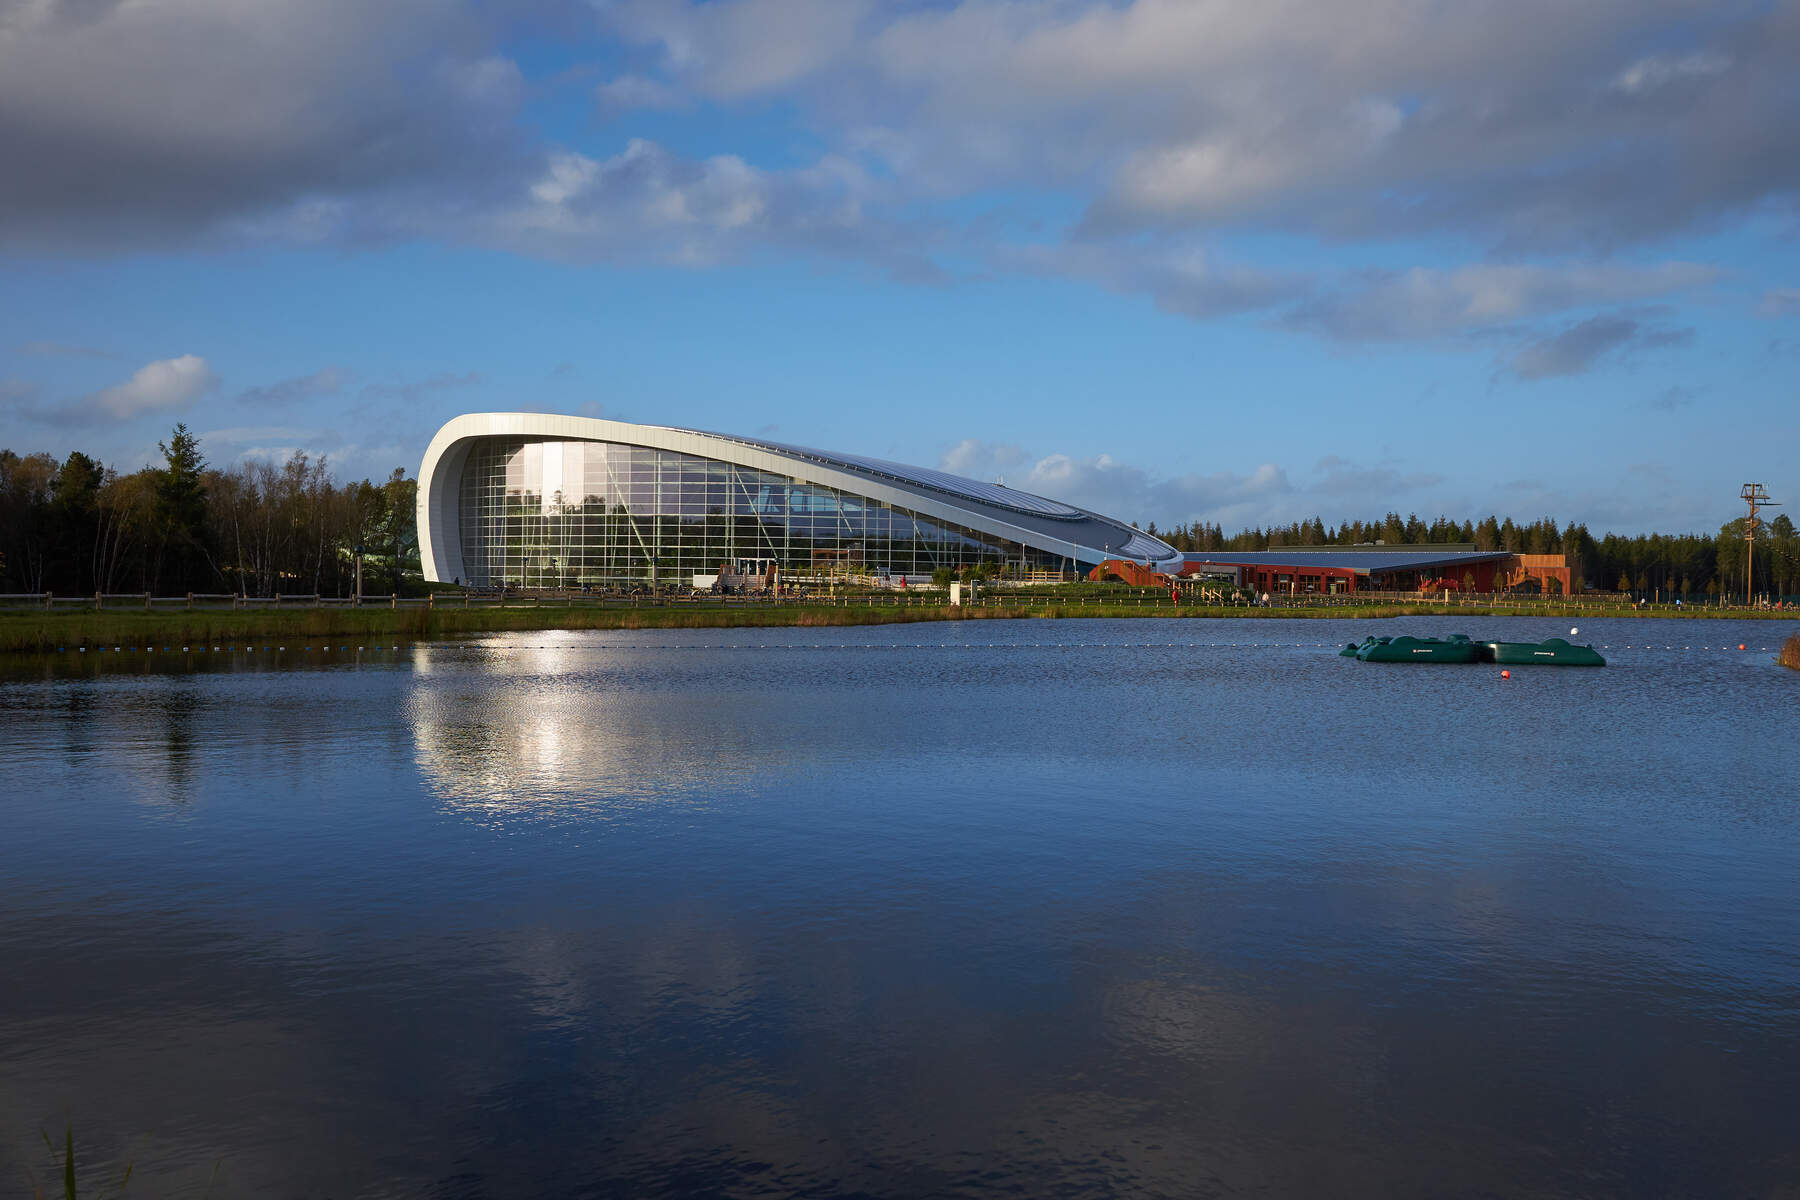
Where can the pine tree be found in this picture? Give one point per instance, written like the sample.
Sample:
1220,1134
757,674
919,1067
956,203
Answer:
181,513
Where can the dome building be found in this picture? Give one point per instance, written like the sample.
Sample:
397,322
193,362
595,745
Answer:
538,500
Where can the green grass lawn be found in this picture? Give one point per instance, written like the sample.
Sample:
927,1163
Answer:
27,631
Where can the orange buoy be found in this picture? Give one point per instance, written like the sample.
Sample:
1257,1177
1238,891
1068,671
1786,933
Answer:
1506,674
1740,645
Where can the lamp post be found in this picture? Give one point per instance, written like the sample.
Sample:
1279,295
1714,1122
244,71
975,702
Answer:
359,558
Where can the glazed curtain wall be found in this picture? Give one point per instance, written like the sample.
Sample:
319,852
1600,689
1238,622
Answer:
540,513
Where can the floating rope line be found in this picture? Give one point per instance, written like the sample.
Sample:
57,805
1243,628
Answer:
833,646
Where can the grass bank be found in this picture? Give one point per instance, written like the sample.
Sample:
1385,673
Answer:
26,631
32,632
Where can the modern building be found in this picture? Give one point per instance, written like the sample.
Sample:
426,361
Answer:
536,500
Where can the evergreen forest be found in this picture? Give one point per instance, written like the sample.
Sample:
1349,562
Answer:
256,528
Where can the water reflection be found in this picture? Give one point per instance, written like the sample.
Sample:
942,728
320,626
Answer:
574,733
579,915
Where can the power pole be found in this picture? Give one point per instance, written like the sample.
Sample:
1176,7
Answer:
1757,497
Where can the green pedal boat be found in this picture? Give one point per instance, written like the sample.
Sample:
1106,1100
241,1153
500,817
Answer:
1456,648
1551,652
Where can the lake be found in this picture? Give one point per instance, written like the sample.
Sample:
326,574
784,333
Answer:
1038,908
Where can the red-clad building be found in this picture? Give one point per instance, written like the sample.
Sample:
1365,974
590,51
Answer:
1346,570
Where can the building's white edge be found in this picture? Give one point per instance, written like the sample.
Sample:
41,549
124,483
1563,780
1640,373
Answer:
440,549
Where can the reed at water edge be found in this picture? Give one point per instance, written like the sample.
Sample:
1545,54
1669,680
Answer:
1790,653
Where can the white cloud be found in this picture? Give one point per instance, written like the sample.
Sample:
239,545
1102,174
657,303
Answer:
1222,173
1153,129
648,204
1508,120
1647,74
161,386
985,461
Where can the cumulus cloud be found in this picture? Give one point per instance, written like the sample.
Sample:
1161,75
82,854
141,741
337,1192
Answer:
1155,129
596,208
161,386
129,123
1526,122
649,204
973,458
165,385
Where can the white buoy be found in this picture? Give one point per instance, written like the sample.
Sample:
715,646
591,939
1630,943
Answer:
1573,631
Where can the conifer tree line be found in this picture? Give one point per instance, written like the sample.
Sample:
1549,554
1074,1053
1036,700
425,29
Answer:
256,528
1684,564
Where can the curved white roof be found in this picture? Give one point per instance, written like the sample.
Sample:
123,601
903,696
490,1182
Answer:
1047,525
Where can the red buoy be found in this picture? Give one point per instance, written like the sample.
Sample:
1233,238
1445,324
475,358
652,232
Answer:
1740,645
1506,674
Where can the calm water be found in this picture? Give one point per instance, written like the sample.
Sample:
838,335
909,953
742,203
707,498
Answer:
1025,907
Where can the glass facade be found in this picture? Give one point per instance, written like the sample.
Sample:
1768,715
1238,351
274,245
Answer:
538,513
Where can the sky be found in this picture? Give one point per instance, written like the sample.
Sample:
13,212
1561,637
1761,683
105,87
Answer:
1172,260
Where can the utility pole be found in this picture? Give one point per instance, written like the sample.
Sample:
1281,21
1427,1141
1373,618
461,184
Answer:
1757,497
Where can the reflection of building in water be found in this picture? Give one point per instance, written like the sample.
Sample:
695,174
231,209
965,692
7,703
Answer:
580,727
500,746
534,500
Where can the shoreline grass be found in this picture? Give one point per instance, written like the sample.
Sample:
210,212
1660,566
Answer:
28,632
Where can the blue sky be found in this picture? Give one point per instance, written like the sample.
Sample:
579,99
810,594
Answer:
1171,259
